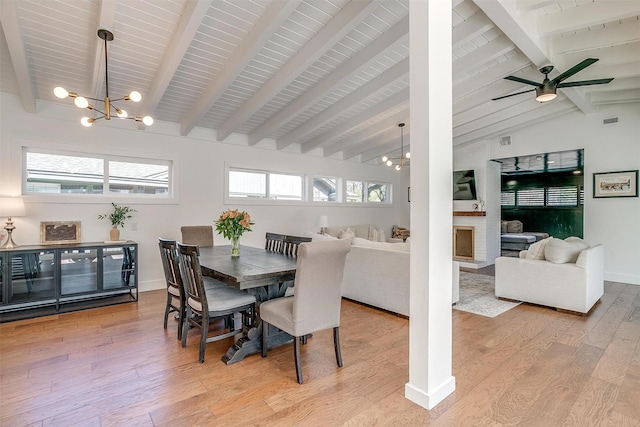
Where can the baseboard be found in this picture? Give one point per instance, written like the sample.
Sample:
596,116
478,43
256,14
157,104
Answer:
628,279
429,400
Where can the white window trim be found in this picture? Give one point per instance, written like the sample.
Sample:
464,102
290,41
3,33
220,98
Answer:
19,173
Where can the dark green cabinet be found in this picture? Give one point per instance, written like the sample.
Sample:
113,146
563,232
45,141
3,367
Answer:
42,280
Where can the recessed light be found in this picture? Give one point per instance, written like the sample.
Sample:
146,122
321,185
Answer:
551,161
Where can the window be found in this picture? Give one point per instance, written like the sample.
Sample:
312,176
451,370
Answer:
265,185
55,173
354,192
562,196
530,197
508,198
375,192
324,189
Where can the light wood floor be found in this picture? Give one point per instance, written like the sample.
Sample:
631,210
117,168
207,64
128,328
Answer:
117,366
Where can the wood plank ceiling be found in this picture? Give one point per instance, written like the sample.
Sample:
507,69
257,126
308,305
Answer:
330,77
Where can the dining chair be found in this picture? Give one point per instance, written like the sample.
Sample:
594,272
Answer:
291,244
316,303
205,305
201,235
274,242
175,290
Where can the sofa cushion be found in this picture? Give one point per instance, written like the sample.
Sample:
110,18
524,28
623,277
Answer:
402,247
376,235
536,250
564,251
347,234
514,226
503,226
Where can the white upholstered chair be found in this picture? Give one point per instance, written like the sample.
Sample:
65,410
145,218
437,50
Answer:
316,303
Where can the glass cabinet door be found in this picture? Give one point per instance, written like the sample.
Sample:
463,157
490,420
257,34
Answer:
32,277
78,271
119,267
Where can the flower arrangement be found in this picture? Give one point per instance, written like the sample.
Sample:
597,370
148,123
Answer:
119,215
231,224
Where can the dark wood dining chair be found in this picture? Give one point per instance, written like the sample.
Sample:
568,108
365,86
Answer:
291,244
200,235
205,305
274,242
175,290
316,303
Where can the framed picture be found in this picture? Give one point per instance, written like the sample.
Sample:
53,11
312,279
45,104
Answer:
58,232
615,184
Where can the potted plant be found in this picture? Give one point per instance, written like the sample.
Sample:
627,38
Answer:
119,215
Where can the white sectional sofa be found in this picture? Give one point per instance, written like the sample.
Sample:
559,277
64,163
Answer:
572,282
377,273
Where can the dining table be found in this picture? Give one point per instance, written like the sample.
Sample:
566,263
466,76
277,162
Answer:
259,272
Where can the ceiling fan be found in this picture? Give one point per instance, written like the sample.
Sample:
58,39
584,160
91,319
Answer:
546,91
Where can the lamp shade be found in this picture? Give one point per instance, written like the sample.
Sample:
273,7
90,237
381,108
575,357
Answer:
323,221
11,206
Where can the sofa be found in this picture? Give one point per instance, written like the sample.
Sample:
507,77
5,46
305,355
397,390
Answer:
564,274
377,272
513,238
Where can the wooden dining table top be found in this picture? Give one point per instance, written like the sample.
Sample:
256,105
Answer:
254,267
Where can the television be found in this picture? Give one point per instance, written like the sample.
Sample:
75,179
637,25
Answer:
464,185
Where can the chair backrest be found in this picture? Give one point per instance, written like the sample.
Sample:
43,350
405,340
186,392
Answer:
200,235
318,285
274,242
170,264
191,275
291,244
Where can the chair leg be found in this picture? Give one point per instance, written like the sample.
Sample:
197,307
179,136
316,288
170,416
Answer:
296,357
181,320
203,337
336,345
167,309
265,331
185,326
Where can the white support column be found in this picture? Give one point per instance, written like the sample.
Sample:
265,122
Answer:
430,341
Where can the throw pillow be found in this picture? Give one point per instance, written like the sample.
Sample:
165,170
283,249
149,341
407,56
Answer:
564,251
503,226
536,250
348,234
514,226
381,236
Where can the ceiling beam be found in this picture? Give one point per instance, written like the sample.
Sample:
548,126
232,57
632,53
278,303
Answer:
610,35
192,16
490,75
358,96
487,108
473,27
386,137
325,39
486,53
277,13
390,148
483,95
615,97
339,76
17,51
586,15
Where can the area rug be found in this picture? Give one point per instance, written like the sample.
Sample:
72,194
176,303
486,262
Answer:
477,296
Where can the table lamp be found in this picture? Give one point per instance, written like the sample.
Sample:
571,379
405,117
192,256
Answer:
10,207
323,222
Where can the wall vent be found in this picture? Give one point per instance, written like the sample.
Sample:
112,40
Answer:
610,120
505,140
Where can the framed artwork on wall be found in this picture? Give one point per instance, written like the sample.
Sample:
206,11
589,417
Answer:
58,232
615,184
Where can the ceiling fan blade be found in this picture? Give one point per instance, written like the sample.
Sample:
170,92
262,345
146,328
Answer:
513,94
585,83
520,80
571,71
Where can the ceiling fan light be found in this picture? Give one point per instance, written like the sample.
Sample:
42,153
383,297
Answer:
81,102
545,93
60,92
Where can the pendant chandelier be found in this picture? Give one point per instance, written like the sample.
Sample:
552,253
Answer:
82,102
403,160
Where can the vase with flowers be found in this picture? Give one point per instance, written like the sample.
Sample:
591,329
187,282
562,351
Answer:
231,224
117,218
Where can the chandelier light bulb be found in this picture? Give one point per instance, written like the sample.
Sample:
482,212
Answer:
60,92
86,121
398,167
389,163
408,155
81,102
147,120
121,113
385,158
135,96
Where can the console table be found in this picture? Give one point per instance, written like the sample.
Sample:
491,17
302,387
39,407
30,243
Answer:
40,280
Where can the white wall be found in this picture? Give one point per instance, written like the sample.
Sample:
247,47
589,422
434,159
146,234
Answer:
200,165
612,222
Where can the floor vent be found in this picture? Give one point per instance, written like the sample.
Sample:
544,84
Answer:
609,121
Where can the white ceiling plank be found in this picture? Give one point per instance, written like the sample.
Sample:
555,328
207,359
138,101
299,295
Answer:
489,76
269,23
470,29
495,48
15,43
194,13
400,98
610,56
350,16
106,19
362,59
373,87
390,136
487,108
389,123
533,5
483,95
597,38
616,97
586,15
390,147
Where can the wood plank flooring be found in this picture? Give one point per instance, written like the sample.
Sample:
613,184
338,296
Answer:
117,366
